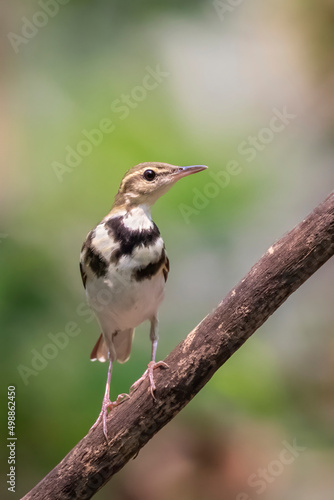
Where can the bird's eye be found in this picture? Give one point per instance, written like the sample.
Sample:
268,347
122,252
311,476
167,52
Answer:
149,175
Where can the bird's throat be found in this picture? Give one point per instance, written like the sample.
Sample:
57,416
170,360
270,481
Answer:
138,218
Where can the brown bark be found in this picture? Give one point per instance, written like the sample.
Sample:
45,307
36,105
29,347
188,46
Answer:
285,266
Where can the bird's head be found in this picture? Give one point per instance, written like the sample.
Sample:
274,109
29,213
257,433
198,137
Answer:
146,182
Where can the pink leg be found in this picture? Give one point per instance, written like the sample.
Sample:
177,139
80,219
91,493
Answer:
107,404
152,364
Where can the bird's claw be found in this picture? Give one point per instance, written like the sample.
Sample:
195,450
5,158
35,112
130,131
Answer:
149,371
108,405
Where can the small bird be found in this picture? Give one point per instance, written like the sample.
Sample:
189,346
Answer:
124,268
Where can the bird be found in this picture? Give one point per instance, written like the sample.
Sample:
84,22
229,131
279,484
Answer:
124,268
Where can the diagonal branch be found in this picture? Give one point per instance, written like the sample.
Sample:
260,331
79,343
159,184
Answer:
285,266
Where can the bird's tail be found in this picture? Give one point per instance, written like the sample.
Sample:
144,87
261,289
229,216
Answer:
100,350
120,347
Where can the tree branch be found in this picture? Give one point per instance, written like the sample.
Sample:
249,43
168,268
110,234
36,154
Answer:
282,269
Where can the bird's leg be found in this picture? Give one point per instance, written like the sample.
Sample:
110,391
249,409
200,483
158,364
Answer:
152,364
107,404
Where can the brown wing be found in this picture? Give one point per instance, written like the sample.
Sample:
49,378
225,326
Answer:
165,269
83,275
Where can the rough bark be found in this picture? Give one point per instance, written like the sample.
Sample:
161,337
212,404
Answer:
285,266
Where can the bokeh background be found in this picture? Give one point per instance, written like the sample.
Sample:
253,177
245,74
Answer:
227,66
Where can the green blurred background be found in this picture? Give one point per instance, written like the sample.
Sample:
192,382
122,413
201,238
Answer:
227,66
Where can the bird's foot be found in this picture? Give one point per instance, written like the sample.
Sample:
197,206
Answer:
150,368
108,405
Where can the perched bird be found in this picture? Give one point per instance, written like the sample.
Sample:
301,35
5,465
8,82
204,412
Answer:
124,268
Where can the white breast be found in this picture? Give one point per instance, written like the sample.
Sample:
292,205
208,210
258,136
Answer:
120,303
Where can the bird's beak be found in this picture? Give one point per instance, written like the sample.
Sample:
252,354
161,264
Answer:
184,171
